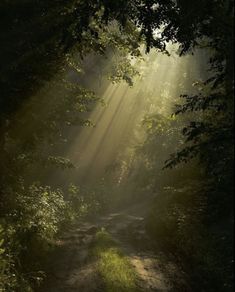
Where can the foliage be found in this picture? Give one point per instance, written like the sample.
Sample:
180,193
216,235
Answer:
123,70
180,229
32,220
33,129
193,204
192,210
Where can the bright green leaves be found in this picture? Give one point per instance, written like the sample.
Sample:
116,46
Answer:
123,70
39,210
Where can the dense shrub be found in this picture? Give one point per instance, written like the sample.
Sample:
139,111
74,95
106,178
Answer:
179,224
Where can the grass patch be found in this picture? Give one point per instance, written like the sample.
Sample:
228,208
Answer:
117,273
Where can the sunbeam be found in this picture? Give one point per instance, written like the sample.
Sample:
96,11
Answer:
94,149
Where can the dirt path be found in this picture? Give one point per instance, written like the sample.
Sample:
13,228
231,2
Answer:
73,270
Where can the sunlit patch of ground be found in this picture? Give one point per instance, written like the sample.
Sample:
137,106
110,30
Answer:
114,268
147,267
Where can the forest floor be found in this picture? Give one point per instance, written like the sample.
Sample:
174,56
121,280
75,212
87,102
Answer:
121,259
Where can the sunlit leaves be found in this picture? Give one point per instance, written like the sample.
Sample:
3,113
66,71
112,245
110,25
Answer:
60,162
39,210
123,70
